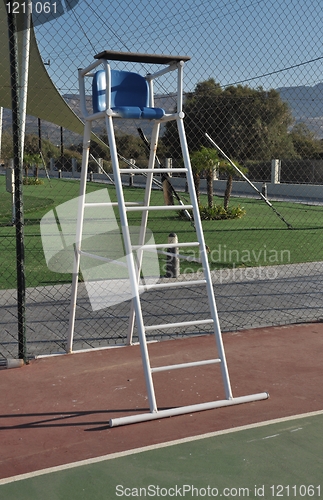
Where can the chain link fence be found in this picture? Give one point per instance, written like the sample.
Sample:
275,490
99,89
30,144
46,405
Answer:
253,84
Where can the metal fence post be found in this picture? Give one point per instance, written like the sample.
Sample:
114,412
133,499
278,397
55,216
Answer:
19,218
172,261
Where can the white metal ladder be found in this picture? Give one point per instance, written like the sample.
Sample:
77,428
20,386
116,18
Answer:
134,265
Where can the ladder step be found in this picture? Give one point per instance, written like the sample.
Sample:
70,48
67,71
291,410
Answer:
104,259
166,245
111,204
182,323
172,284
160,207
151,170
185,365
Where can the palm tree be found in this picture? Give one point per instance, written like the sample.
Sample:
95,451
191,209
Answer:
207,160
226,167
32,159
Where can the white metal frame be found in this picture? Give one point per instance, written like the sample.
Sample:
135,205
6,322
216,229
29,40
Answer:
133,267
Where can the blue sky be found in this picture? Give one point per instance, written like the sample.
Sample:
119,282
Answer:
229,40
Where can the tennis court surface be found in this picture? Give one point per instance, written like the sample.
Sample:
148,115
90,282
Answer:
55,413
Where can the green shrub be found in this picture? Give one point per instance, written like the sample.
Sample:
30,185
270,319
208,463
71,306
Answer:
32,181
218,212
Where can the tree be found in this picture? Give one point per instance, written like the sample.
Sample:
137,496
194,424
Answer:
32,160
6,146
247,123
128,145
206,159
306,145
32,147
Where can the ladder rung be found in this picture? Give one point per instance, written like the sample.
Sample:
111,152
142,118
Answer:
104,259
185,365
111,204
151,170
166,245
160,207
173,284
182,323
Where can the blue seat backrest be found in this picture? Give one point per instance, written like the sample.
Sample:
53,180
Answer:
127,90
129,95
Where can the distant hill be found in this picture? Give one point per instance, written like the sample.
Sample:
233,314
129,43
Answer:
306,104
52,132
49,130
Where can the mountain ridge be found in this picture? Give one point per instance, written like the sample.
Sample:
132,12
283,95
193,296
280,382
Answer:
305,102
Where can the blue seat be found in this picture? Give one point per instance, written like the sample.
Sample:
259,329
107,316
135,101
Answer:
129,95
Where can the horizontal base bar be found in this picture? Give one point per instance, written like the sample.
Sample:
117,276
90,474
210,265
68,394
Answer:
144,417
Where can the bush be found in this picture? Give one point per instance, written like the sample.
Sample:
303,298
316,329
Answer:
218,212
32,181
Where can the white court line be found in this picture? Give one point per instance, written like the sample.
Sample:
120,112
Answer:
126,453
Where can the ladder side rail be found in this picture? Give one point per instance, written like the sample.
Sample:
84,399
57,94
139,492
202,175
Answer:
78,235
203,254
180,69
82,73
144,220
151,100
131,267
107,84
84,110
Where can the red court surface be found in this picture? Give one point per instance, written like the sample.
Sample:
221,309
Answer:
56,410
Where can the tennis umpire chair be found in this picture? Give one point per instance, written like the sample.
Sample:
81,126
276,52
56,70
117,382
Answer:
127,95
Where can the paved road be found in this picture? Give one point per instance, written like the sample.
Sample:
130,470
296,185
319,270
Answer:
249,298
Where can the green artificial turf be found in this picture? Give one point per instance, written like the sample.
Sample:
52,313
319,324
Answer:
260,238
